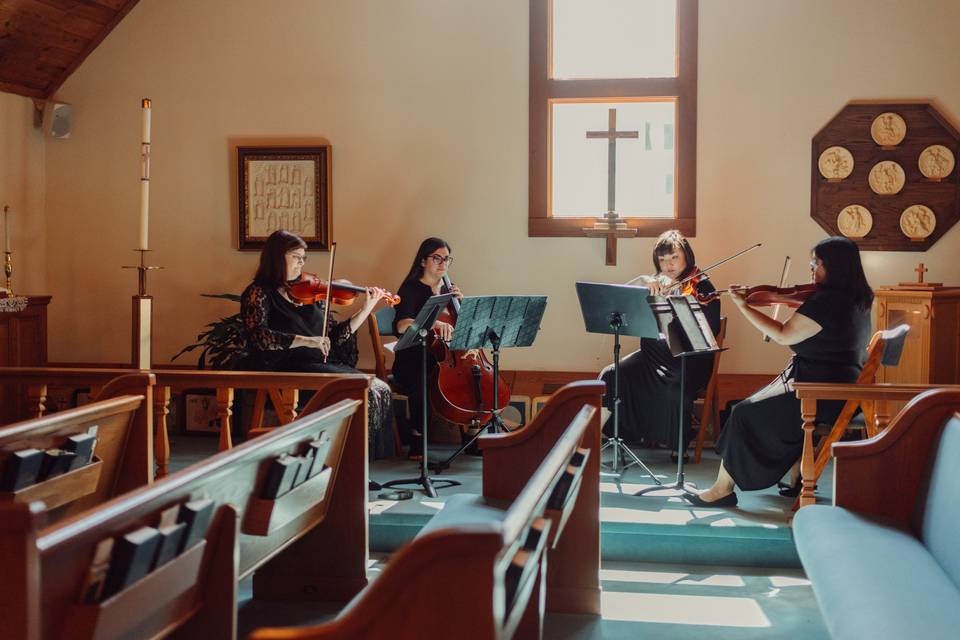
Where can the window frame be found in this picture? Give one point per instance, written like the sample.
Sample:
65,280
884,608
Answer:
544,90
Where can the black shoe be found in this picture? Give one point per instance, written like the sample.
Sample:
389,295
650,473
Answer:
729,500
792,491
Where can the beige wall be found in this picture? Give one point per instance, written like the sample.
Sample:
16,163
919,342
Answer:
425,104
22,188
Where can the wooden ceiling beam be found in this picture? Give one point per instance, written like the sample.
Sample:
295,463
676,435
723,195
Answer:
21,90
42,42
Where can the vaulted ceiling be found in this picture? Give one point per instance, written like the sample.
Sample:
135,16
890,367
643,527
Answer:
43,41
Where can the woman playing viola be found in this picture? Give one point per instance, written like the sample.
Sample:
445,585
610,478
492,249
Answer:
285,335
762,439
650,376
425,279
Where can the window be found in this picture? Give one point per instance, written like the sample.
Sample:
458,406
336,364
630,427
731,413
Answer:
624,65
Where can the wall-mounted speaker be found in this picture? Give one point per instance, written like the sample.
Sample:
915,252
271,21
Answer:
58,119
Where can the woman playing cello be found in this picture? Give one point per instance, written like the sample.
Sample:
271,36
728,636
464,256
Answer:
425,279
650,376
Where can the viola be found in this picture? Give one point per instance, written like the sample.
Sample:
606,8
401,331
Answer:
309,289
766,295
463,385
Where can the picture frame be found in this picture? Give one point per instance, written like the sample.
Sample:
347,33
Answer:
284,188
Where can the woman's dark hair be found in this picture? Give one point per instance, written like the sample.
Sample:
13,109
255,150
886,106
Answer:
667,243
841,259
272,271
427,247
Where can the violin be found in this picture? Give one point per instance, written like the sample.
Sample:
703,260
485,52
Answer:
766,295
309,289
463,384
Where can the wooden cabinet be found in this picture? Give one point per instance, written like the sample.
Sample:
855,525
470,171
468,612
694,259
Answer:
23,343
931,353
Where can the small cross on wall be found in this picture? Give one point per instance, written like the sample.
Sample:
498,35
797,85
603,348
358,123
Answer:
920,271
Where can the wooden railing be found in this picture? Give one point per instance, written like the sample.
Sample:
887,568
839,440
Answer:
282,389
876,396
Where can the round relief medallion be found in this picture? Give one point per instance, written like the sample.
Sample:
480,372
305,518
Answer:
887,178
917,222
936,162
836,163
888,129
855,221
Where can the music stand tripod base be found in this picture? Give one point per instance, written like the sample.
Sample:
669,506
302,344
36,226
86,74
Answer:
414,336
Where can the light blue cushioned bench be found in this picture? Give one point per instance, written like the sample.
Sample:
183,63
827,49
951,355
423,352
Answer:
885,560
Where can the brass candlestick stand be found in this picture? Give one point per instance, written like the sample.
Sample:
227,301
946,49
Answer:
142,332
8,269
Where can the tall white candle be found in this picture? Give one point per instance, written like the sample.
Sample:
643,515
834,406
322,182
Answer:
145,174
6,228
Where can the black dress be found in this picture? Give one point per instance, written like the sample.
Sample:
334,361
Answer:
407,363
763,437
272,321
650,387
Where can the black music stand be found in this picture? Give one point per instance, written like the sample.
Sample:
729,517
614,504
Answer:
688,334
496,322
416,335
621,310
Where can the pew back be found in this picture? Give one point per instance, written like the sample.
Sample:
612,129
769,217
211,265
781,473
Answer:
82,488
484,558
198,588
509,459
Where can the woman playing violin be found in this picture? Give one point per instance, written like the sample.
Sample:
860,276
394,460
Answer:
285,335
425,279
762,439
650,376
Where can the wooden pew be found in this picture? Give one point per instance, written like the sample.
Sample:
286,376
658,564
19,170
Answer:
123,456
509,460
879,396
282,387
476,571
195,594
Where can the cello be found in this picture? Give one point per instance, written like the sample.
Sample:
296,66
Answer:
463,383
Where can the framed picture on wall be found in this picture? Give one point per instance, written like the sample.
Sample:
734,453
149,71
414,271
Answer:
284,188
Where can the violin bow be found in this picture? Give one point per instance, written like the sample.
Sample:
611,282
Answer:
326,304
702,272
783,281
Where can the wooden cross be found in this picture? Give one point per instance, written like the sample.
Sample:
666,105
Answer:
611,135
611,225
920,271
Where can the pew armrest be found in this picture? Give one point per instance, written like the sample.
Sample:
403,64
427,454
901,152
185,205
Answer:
902,452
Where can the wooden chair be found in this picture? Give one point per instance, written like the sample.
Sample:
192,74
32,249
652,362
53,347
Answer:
380,324
710,415
510,459
490,552
44,595
884,350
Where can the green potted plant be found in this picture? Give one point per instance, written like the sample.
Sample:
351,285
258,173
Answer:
223,343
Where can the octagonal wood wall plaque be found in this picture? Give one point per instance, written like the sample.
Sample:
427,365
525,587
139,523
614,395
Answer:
895,213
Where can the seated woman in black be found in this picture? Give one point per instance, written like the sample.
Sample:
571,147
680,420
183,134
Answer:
425,279
650,376
763,437
283,335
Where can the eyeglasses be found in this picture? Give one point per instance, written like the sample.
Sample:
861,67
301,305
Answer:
302,259
438,259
